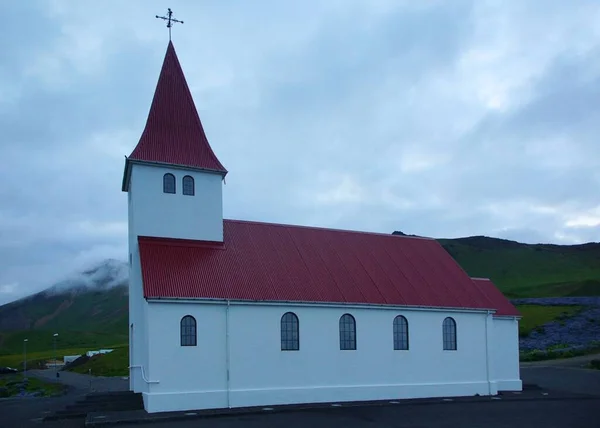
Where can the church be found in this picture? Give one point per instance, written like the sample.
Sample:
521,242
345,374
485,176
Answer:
229,313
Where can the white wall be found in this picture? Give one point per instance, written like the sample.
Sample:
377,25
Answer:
262,374
199,369
505,355
137,330
154,213
176,215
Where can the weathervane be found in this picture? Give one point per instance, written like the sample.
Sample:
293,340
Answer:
169,20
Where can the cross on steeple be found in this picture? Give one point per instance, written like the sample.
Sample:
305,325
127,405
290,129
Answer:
169,20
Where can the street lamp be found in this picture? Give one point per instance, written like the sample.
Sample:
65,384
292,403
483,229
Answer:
25,358
55,368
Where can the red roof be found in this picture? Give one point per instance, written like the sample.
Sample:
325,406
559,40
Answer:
174,132
503,305
271,262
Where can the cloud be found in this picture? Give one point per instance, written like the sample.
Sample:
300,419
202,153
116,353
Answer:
436,118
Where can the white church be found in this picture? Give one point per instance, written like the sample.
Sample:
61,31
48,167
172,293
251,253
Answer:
229,313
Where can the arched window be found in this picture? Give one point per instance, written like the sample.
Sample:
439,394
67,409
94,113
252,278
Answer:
400,333
168,183
449,333
290,335
347,332
188,331
188,185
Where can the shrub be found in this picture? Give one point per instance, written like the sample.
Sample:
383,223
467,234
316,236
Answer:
595,364
558,346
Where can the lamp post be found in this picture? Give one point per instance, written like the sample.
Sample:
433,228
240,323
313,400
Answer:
25,358
55,368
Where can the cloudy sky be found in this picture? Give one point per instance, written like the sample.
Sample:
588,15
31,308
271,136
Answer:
438,118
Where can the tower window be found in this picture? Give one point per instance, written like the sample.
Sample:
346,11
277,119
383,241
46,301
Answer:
168,183
188,185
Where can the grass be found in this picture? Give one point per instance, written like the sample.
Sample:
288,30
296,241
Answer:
10,385
522,270
535,316
555,353
115,363
42,340
35,358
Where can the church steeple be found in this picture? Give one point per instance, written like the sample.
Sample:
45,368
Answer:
173,134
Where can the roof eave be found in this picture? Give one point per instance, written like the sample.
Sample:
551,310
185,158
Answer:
222,172
126,175
158,299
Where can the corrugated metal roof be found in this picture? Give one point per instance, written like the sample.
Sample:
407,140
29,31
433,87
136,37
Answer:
174,132
272,262
503,305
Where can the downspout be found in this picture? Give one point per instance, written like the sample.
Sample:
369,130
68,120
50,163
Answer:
487,353
144,378
227,351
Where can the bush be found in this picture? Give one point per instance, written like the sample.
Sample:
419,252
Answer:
595,364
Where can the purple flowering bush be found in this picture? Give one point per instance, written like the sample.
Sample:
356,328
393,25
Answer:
566,336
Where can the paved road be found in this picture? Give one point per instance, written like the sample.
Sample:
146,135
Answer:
29,411
563,378
83,383
495,414
579,362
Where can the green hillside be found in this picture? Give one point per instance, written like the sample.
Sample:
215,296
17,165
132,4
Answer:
524,270
89,311
92,318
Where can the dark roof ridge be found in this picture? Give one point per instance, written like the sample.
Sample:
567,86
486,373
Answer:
328,229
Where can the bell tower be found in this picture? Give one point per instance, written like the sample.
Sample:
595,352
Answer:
174,184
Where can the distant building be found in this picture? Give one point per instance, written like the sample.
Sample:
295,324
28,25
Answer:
70,358
54,363
230,313
99,351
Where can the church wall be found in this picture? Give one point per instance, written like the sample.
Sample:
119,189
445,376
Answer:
137,307
261,374
505,354
176,215
199,371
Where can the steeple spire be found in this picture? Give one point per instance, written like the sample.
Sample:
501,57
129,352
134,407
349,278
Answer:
173,133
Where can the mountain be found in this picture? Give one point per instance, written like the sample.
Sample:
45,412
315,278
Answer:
530,270
90,309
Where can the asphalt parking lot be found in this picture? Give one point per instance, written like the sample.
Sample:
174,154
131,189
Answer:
494,414
559,408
